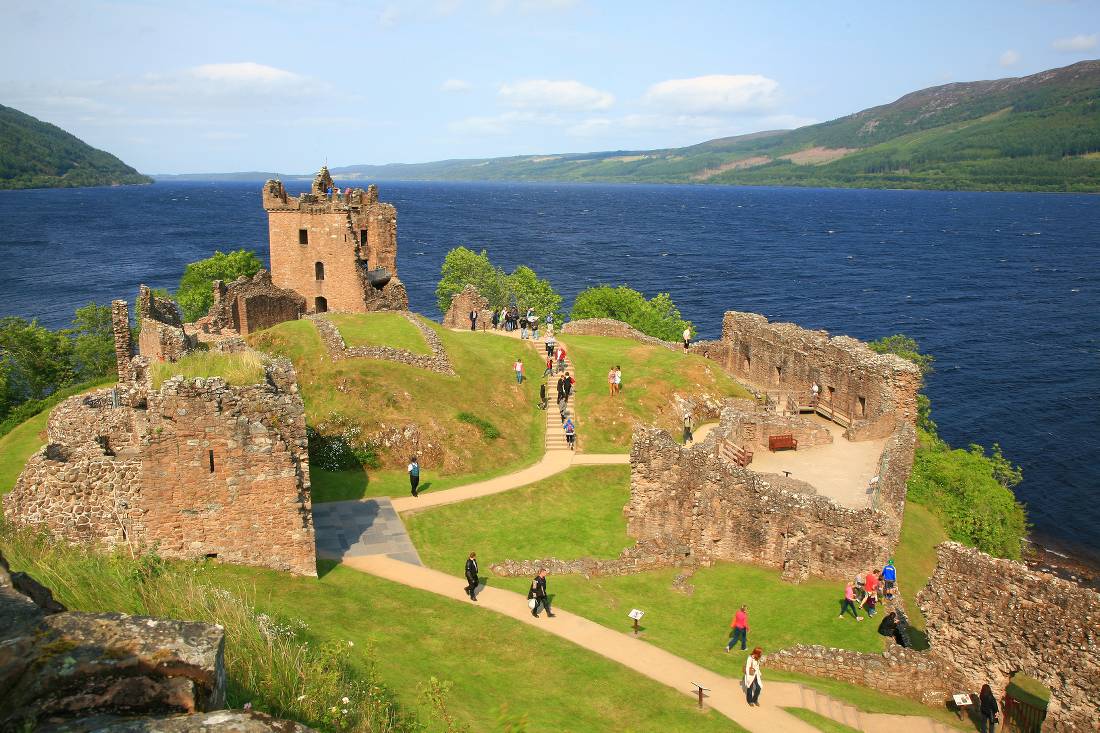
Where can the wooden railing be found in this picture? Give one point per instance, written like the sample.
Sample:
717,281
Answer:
733,453
1021,717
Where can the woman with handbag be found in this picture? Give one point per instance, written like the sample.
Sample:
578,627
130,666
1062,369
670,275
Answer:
752,680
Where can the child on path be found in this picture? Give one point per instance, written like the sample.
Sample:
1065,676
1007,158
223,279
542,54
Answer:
570,432
611,382
618,379
753,681
414,475
849,602
518,366
740,626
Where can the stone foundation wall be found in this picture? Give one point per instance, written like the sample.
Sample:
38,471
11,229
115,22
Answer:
898,671
874,390
437,361
252,304
462,304
688,497
161,336
990,618
615,329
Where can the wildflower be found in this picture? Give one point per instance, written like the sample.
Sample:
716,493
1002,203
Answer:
344,700
345,711
247,706
351,643
301,697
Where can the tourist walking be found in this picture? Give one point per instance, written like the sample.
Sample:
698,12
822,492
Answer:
549,367
740,626
414,475
611,382
472,580
889,576
551,342
618,379
689,428
849,602
518,366
495,319
563,408
753,681
473,320
533,322
523,327
542,396
987,706
560,358
570,433
567,385
687,337
537,599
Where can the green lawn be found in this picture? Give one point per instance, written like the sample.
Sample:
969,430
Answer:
915,558
380,329
651,375
501,670
385,397
819,721
239,369
18,445
575,513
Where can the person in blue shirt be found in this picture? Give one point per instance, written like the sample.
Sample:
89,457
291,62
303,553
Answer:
889,577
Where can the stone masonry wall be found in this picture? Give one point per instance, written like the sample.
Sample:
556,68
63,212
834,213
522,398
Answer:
458,315
252,304
195,468
346,236
124,340
990,618
437,361
685,497
615,329
161,337
875,390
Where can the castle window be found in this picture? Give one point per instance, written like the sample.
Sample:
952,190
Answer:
211,454
320,304
778,374
363,237
862,406
303,236
319,270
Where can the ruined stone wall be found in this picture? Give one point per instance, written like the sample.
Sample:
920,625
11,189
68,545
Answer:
991,618
195,468
691,498
615,329
919,676
346,235
161,336
874,390
437,361
124,346
458,315
252,304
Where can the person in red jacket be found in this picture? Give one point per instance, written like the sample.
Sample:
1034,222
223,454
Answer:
740,626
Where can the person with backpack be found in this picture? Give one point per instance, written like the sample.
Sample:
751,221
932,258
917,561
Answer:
567,385
570,433
414,475
889,577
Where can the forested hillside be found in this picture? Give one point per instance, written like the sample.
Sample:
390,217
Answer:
1035,133
36,154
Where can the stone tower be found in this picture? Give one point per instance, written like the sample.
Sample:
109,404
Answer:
338,250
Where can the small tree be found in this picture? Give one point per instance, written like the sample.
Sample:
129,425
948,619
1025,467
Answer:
93,342
195,293
658,317
462,267
905,347
37,360
531,291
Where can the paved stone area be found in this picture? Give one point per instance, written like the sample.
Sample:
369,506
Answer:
346,529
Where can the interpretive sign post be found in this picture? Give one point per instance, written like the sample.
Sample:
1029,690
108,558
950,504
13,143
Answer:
637,616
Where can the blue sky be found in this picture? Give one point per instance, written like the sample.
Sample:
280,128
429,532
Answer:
283,84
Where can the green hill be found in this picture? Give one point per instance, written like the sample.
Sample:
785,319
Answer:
1032,133
36,154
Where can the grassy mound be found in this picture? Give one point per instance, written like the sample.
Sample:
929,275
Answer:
498,674
651,375
238,369
380,329
383,398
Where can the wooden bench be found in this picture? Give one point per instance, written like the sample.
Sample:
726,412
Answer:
781,442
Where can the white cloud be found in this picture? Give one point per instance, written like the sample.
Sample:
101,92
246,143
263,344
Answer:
1079,42
456,85
591,127
247,72
716,93
389,16
1009,58
545,94
498,125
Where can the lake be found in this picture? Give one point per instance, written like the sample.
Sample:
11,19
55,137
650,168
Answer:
1002,288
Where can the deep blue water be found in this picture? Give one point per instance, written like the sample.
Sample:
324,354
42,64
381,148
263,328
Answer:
1004,289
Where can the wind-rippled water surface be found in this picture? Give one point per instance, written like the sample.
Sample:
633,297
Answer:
1001,288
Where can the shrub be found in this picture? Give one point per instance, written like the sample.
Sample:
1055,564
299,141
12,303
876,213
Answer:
337,444
462,267
488,430
196,290
658,317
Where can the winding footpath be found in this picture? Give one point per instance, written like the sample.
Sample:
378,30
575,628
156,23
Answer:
374,553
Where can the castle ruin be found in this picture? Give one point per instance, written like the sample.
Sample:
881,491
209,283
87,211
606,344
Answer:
195,468
338,250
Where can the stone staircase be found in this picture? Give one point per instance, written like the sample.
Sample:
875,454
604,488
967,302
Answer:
834,709
555,436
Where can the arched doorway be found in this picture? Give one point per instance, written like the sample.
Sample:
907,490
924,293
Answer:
320,304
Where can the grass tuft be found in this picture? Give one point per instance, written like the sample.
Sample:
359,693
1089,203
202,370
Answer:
239,369
488,430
